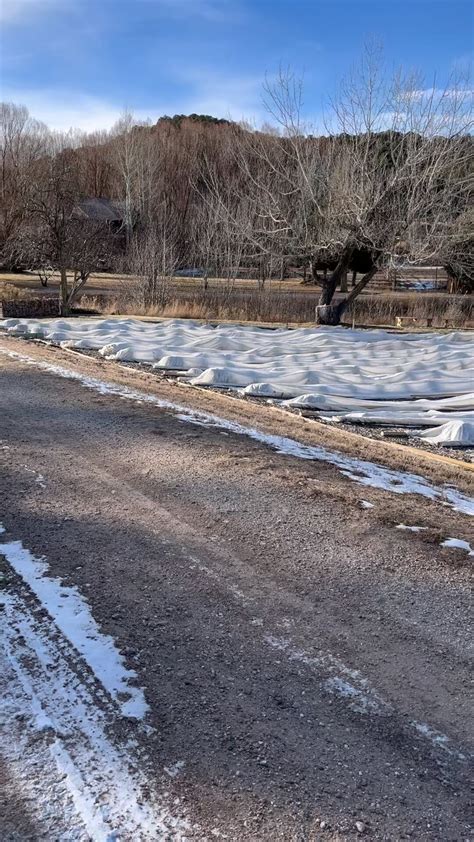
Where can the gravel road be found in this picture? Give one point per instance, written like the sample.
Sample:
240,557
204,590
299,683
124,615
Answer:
306,663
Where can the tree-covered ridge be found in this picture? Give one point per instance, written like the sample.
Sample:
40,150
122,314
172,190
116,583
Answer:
177,119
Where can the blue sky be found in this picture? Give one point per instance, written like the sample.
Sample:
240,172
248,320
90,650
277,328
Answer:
81,62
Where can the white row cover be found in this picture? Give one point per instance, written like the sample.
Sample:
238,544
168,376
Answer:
414,380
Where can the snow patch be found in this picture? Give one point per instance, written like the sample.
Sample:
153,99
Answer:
73,617
359,700
437,739
434,736
411,528
458,544
78,778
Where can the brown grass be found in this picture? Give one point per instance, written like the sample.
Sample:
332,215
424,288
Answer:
287,302
10,292
414,309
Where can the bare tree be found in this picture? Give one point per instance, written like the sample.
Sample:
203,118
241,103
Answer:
205,237
459,254
128,151
22,144
235,234
97,170
400,171
153,260
29,248
91,246
387,182
51,238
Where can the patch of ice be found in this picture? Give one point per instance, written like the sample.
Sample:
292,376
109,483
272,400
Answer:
458,544
73,617
281,643
366,505
358,470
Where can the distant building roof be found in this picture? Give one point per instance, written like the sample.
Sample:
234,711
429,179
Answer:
102,210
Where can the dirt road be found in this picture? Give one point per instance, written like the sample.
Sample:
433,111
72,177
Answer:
305,662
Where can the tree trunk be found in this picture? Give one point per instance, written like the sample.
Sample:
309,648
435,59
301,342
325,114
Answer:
354,278
344,282
330,284
360,286
63,293
80,279
315,279
331,314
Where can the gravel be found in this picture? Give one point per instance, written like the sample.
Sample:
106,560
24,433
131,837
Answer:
237,582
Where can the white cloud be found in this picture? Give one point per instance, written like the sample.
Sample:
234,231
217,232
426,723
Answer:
214,11
67,109
21,11
440,93
232,97
212,92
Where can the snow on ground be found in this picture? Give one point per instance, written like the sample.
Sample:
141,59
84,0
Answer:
376,377
458,544
56,725
406,528
358,470
72,615
346,682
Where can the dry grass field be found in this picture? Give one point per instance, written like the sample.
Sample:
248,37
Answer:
279,302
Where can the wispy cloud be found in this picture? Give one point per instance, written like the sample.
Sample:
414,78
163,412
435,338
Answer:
23,11
234,97
441,93
214,11
63,110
